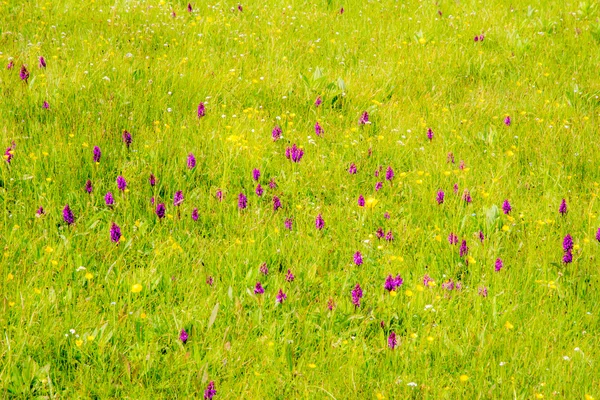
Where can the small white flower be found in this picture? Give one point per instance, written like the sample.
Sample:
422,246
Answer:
566,358
412,384
502,363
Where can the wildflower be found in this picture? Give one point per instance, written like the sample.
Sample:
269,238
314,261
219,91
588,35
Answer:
97,154
240,8
191,161
259,190
427,280
115,233
481,237
498,266
178,198
210,280
46,105
463,378
294,153
152,200
281,296
389,174
361,201
455,188
476,39
272,184
448,285
121,183
24,74
352,170
210,391
201,108
440,197
482,291
358,260
127,139
88,186
42,62
452,238
467,196
463,248
263,269
568,257
392,341
568,243
319,222
318,101
109,199
450,158
481,37
330,304
160,210
276,203
357,294
507,121
68,215
376,173
386,215
183,336
318,129
389,236
378,186
380,233
10,64
9,153
152,180
276,133
288,223
506,207
189,8
219,195
562,209
429,134
598,235
461,165
289,277
195,214
40,211
242,201
364,118
255,174
258,289
392,283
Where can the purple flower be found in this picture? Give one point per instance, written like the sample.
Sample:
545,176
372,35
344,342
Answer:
272,184
160,210
498,266
127,139
115,233
568,257
450,158
389,236
364,118
378,186
429,134
46,105
481,37
121,183
294,153
42,62
195,214
392,341
361,201
259,190
210,281
263,269
440,197
467,196
319,222
210,391
288,223
507,121
9,153
152,180
448,285
256,174
152,200
109,199
506,207
464,250
201,108
88,186
455,188
276,203
183,336
10,64
426,280
242,201
330,304
219,195
452,238
476,39
598,235
68,215
318,101
24,74
40,211
240,8
563,207
461,165
318,129
191,161
358,258
289,277
392,283
276,133
482,291
189,8
357,294
386,215
258,289
568,243
481,237
380,233
97,154
389,174
281,296
352,170
178,198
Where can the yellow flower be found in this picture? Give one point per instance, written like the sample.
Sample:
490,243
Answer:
430,338
89,276
10,277
49,249
471,260
312,365
393,293
143,315
78,342
371,202
508,325
588,397
90,338
136,288
408,293
464,378
506,228
539,396
380,396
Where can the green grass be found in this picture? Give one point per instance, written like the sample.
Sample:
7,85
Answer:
130,65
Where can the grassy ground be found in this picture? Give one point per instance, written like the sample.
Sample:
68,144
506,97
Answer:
76,325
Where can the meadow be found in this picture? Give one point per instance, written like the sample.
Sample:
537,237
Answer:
293,199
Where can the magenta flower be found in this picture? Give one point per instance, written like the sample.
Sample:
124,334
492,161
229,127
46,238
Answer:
276,133
258,289
189,8
319,222
482,291
152,180
294,153
429,134
563,207
210,391
24,74
364,118
68,215
272,184
289,277
389,236
481,236
461,165
191,161
160,210
40,211
498,266
42,62
97,154
467,196
352,170
440,197
318,129
455,188
178,198
256,174
568,243
280,296
219,195
109,200
450,158
598,235
263,269
183,336
507,121
378,186
361,201
115,233
201,109
506,207
389,174
210,281
568,257
392,283
464,250
358,260
426,280
318,101
88,186
259,190
357,294
127,138
242,201
276,203
392,341
9,153
121,183
195,214
380,233
10,64
330,304
46,105
288,223
452,238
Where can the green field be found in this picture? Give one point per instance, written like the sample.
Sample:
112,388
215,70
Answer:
491,293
